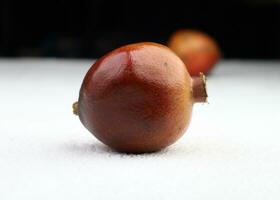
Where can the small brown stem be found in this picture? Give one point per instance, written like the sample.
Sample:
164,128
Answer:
199,89
75,108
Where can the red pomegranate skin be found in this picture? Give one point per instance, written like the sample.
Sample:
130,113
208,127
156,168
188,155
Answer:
198,50
137,98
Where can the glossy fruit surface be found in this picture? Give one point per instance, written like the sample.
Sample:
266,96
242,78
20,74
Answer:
198,50
137,98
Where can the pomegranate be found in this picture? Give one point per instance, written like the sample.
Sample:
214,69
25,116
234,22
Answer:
138,98
198,50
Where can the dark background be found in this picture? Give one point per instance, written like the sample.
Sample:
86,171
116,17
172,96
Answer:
243,29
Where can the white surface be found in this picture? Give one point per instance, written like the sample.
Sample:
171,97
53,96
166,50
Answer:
231,150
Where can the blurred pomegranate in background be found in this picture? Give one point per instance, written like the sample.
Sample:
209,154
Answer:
198,50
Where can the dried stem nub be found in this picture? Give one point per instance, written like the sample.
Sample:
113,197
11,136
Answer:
75,108
199,89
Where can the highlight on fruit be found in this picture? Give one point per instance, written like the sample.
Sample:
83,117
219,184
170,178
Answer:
139,98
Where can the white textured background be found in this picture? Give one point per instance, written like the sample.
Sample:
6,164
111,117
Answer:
231,150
